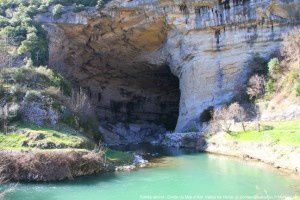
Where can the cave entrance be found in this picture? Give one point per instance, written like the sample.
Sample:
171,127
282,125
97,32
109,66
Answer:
136,97
124,70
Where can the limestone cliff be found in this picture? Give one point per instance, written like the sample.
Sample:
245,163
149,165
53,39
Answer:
123,55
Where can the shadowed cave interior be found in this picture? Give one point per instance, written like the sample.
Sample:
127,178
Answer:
122,82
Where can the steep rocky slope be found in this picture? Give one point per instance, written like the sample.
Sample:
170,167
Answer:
124,55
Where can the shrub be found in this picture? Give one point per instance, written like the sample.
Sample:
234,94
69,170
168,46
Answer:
22,75
100,4
2,90
17,92
226,116
36,44
4,22
69,119
256,87
258,65
14,35
7,113
32,96
270,86
274,68
32,10
297,88
43,8
34,165
78,8
57,10
291,48
80,105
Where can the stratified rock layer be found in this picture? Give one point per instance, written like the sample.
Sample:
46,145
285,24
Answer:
122,54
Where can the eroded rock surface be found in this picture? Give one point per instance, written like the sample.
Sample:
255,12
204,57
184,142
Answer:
123,55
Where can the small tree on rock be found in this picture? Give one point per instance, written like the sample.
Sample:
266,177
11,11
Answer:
256,87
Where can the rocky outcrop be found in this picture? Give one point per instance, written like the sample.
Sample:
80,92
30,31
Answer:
124,134
121,55
183,140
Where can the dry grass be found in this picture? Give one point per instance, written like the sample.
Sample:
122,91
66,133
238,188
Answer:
48,165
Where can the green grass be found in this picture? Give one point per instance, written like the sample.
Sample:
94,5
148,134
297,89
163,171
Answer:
12,141
284,133
61,135
119,157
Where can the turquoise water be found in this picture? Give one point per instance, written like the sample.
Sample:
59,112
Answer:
193,176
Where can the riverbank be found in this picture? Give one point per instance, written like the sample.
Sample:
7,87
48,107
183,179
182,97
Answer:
49,165
59,164
276,144
282,157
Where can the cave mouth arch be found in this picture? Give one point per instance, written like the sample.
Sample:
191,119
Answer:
123,68
143,97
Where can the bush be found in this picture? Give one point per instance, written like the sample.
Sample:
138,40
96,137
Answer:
270,87
23,75
34,165
33,96
226,116
43,8
291,48
36,44
100,4
258,65
57,10
4,22
80,105
78,8
69,119
297,88
2,90
14,35
17,92
256,87
274,68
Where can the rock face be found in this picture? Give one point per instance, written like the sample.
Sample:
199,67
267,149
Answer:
124,134
123,55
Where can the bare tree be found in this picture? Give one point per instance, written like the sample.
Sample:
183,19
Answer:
80,103
222,119
256,87
6,55
225,117
291,48
4,114
238,114
7,112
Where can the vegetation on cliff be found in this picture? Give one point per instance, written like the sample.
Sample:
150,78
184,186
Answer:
40,111
274,85
283,72
21,35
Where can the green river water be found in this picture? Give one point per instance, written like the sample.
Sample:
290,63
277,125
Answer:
184,176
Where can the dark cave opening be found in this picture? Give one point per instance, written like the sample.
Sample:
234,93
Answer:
207,115
127,81
149,96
